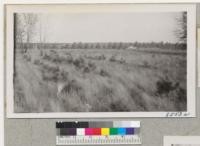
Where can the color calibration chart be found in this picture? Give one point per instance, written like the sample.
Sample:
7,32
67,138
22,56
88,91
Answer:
100,133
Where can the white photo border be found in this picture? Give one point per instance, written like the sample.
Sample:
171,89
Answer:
198,55
2,43
171,140
191,56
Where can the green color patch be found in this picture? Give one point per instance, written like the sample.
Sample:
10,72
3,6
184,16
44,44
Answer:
113,131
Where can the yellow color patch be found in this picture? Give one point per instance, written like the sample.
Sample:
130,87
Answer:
105,131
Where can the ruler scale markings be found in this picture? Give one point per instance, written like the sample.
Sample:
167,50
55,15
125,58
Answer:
102,140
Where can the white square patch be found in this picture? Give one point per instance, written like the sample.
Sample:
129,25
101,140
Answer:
80,131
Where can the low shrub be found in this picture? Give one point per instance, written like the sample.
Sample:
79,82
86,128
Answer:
46,57
145,64
86,69
69,59
101,57
37,62
49,76
104,73
89,67
50,68
92,65
164,86
122,61
63,75
79,62
112,58
27,57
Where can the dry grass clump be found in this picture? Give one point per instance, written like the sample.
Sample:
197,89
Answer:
50,72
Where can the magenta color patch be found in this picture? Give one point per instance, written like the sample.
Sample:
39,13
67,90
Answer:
88,131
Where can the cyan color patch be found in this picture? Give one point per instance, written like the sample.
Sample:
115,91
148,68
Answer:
121,131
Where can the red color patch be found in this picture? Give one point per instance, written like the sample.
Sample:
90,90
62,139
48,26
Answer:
97,131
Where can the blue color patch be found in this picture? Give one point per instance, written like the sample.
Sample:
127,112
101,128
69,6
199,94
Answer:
129,131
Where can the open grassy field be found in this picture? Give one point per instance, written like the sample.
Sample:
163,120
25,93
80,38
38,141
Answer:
100,80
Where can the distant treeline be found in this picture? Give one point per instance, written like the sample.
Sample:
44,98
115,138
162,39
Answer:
109,45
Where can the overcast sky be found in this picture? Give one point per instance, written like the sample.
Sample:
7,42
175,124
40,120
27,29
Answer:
109,27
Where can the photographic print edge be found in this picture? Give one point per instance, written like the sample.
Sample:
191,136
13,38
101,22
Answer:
191,77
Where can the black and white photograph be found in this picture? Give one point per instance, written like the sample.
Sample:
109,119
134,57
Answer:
101,61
